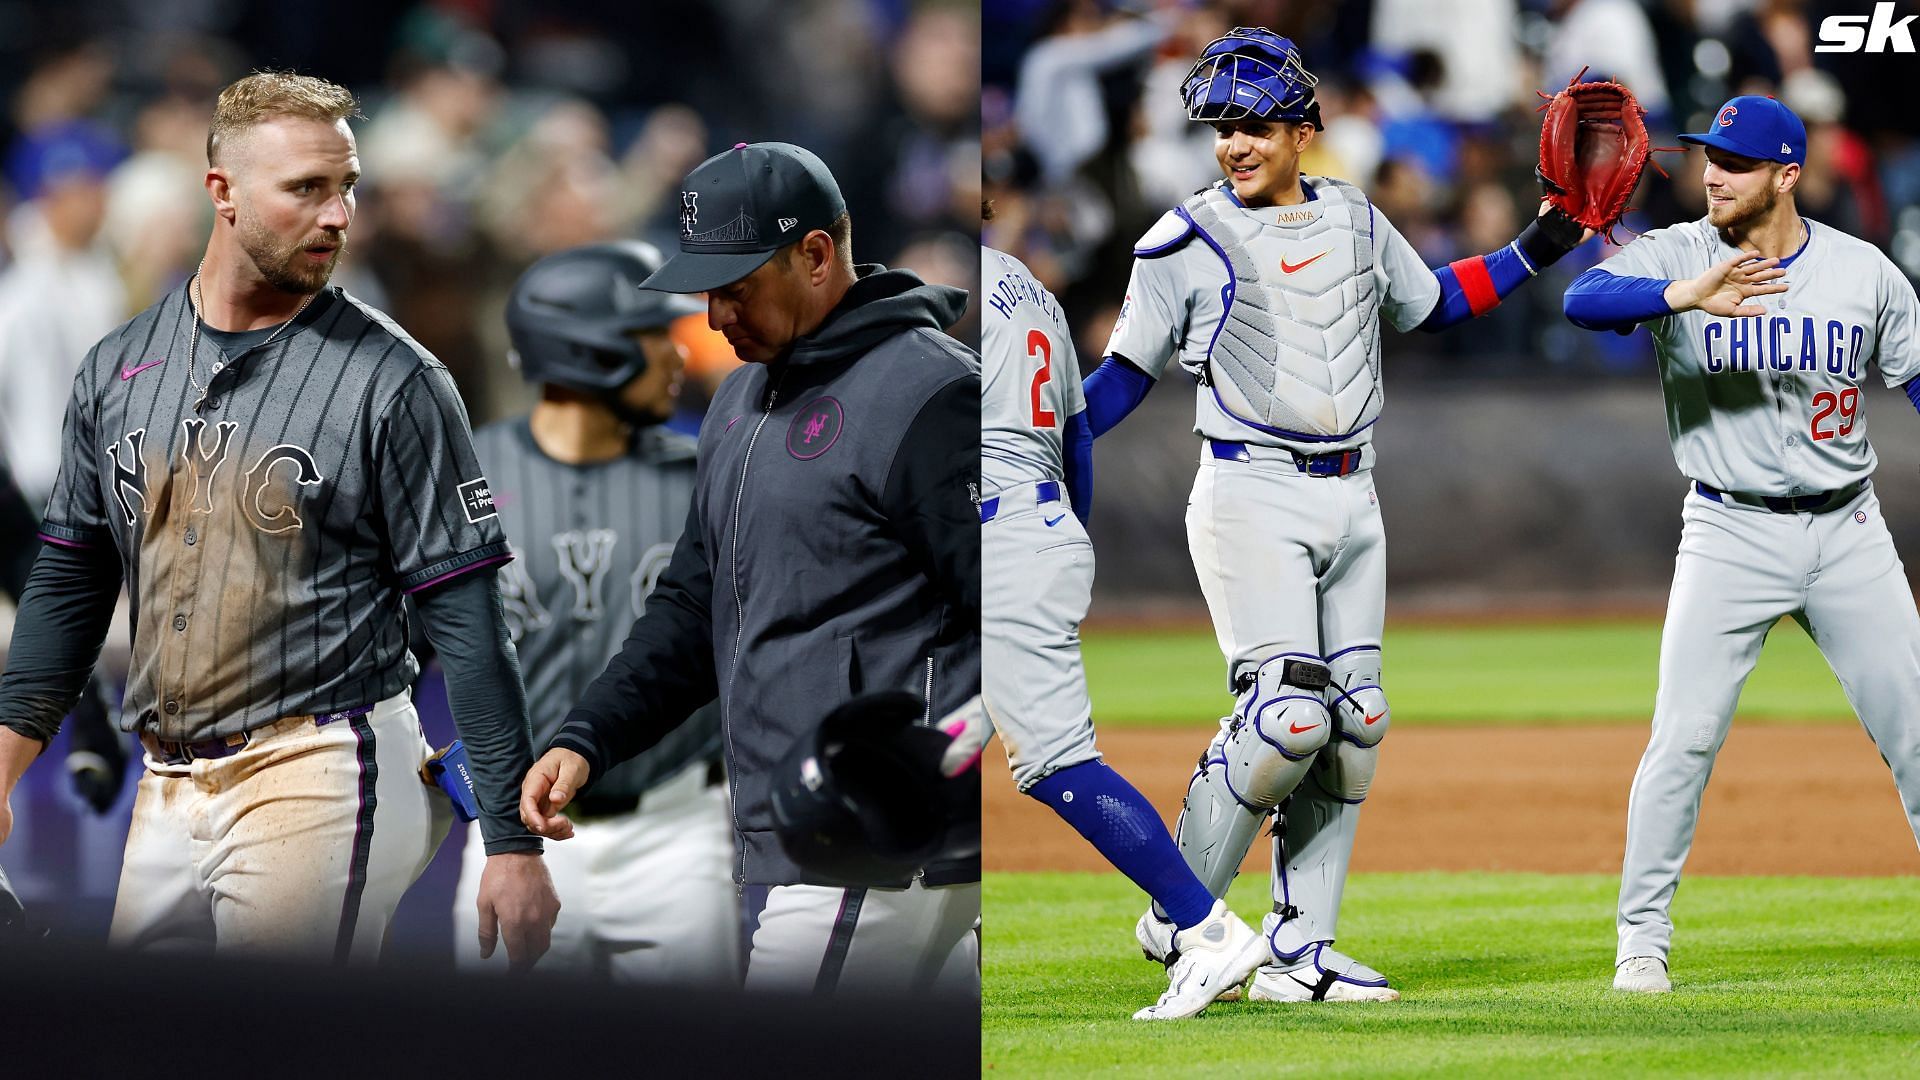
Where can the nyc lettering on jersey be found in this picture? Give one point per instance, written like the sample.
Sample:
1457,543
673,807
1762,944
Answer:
206,455
1783,343
1012,289
1878,32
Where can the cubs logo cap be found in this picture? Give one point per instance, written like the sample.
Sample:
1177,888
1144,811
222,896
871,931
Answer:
1756,127
741,206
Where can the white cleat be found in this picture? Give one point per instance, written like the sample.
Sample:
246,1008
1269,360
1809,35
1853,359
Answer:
1642,975
1323,974
1155,936
1208,958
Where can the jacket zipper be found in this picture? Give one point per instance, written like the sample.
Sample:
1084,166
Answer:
927,720
739,629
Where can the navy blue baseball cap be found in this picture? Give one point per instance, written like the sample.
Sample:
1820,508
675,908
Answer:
1756,127
741,206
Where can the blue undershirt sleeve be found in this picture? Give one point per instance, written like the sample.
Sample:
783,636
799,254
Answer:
1114,389
1492,278
1912,388
1598,300
1078,447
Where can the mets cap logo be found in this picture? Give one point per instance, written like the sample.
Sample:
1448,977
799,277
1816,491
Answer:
689,212
1726,116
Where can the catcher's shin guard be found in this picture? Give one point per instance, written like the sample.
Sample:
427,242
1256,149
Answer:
1361,718
1259,756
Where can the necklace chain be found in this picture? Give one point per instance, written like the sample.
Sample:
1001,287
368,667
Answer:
193,341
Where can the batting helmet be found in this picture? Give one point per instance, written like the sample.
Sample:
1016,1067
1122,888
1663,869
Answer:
1252,72
860,800
572,315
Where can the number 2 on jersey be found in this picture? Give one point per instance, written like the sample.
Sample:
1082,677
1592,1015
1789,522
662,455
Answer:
1847,402
1038,345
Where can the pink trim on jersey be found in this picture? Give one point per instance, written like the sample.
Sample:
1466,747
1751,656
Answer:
66,543
495,561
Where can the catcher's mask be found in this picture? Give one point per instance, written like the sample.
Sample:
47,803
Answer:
860,799
1251,73
572,315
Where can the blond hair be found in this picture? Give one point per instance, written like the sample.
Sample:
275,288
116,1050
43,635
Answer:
266,95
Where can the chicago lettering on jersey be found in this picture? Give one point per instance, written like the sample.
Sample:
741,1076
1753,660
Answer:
1783,343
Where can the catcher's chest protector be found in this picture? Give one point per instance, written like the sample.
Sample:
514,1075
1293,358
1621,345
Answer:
1298,349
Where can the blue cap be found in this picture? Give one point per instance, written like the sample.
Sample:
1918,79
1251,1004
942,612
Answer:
1756,127
53,153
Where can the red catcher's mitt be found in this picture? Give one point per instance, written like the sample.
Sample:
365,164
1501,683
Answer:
1593,148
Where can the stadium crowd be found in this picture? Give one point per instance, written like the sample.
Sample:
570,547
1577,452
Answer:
494,134
1430,108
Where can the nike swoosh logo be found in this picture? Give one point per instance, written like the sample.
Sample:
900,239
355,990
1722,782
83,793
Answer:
1370,719
128,373
1052,521
1288,268
1297,729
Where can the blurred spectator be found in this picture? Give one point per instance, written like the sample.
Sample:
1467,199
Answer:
1058,105
61,293
1611,39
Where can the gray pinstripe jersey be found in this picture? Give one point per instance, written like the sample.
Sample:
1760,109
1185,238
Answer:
589,541
268,535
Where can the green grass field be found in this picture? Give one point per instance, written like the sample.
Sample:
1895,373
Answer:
1595,672
1502,974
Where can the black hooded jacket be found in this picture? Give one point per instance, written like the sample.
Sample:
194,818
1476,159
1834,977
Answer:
832,549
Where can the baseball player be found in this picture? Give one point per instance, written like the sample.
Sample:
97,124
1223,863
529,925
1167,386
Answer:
271,465
830,551
592,493
1269,287
1036,473
1764,324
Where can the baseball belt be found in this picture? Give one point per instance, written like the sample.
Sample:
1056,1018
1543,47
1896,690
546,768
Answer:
1817,503
173,752
1046,491
1336,463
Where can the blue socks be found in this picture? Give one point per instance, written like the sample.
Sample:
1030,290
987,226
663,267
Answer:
1124,827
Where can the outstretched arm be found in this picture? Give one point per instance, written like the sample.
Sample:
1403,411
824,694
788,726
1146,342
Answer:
1474,286
1599,300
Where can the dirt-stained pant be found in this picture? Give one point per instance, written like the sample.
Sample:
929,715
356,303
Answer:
299,844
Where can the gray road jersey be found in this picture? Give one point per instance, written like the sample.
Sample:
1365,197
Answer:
589,541
1771,405
1030,378
1178,292
267,537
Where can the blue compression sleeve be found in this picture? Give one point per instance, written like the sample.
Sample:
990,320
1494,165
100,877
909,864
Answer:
1078,448
1114,389
1913,392
1598,300
1124,827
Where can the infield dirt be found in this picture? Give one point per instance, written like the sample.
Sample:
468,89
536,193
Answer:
1783,800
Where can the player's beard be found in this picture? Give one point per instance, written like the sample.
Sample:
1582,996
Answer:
286,267
1742,212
